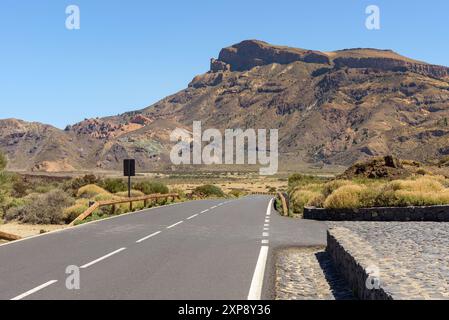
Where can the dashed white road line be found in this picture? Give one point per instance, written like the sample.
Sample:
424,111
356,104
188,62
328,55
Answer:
267,220
265,234
87,265
191,217
204,211
266,229
266,225
30,292
265,241
214,207
175,224
148,237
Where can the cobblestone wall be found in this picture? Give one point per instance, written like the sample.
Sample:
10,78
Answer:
408,260
431,213
355,272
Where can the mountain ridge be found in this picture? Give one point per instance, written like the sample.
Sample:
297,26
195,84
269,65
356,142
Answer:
330,107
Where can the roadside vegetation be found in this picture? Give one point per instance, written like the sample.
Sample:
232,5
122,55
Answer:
419,188
51,200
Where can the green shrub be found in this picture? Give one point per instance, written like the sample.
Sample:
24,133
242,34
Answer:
301,180
73,185
45,208
151,187
301,198
333,185
237,193
208,190
19,188
3,161
180,192
71,213
114,185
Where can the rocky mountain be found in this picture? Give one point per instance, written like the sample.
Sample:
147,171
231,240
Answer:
330,108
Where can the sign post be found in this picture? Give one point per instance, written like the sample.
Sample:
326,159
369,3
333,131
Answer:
129,170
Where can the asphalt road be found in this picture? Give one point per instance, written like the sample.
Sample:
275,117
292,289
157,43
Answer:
199,250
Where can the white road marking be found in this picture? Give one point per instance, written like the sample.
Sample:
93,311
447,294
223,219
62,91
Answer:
87,265
191,217
255,290
204,211
266,229
42,286
213,207
175,224
265,241
266,225
269,207
265,234
267,220
148,237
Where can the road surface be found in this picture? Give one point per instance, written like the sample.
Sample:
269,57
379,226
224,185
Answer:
199,250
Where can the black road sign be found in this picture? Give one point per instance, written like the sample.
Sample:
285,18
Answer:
129,167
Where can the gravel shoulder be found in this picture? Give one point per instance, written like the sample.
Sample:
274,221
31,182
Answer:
308,274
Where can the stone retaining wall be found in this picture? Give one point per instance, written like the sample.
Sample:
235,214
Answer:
355,272
430,213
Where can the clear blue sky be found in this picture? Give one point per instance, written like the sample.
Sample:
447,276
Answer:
129,54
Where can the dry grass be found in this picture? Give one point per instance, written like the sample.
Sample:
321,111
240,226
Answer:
90,191
345,194
134,193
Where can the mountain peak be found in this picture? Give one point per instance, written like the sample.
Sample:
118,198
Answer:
248,54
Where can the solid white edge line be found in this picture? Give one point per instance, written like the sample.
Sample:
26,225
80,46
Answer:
269,207
175,224
87,265
191,217
148,237
30,292
255,290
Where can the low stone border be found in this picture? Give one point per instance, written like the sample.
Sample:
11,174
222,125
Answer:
354,269
430,213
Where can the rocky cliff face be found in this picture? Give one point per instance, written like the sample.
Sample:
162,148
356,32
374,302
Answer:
330,108
251,53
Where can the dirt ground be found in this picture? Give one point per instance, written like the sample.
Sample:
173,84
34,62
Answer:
28,230
245,185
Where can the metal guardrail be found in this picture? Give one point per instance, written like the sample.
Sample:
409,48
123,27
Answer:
113,203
